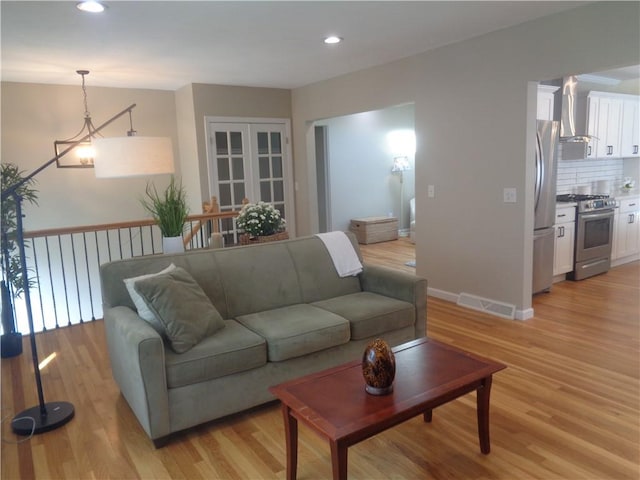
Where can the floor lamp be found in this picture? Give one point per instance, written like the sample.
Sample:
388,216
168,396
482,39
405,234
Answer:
401,165
148,155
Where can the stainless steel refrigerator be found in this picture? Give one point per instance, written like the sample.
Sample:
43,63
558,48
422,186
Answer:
545,204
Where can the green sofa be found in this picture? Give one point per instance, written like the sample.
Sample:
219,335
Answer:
286,313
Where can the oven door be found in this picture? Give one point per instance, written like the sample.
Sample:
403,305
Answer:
594,235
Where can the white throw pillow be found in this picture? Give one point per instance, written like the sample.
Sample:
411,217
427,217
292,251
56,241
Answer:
144,311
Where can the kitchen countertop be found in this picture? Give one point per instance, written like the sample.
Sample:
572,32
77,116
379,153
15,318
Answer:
623,196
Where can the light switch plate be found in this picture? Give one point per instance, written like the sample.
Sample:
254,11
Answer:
431,191
510,195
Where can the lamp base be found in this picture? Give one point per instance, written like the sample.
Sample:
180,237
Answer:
31,421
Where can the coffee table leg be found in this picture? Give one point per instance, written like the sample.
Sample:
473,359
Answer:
291,438
339,460
428,416
483,393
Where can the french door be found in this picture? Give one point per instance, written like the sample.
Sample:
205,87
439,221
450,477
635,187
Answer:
250,159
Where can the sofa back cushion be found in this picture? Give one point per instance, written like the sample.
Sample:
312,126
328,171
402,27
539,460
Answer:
243,280
257,278
317,276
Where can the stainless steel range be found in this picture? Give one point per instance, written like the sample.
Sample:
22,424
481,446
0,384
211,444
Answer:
594,234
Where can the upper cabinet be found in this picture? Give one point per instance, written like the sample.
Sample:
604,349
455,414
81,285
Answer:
545,102
630,127
612,122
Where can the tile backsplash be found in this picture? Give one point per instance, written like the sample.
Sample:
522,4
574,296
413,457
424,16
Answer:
580,173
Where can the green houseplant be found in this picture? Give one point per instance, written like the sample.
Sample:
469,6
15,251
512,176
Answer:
170,210
13,280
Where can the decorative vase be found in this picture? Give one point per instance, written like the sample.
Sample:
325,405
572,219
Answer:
378,367
172,245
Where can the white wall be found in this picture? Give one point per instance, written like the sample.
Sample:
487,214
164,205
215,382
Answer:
475,127
359,162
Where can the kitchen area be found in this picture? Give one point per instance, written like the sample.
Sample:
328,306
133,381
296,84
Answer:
588,170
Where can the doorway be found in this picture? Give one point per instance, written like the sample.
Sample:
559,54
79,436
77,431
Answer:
251,158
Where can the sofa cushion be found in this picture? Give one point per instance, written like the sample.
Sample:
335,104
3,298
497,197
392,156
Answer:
232,350
370,314
141,306
297,330
317,276
257,278
183,309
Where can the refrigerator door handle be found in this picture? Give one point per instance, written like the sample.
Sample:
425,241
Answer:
539,171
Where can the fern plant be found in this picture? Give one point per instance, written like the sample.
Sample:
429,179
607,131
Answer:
169,208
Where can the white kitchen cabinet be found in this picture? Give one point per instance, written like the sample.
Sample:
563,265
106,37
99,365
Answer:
613,122
564,242
626,230
604,116
546,95
630,138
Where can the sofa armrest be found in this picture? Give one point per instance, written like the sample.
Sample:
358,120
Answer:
136,353
401,285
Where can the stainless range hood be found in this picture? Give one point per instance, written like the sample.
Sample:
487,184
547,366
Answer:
573,144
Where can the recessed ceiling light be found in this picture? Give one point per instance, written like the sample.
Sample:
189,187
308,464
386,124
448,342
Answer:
332,40
91,6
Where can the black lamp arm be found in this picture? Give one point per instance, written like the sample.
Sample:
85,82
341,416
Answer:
13,188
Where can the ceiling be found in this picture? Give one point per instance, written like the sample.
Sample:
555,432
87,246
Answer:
166,45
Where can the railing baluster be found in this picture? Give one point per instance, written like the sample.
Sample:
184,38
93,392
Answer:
120,242
53,294
141,240
86,258
64,281
75,273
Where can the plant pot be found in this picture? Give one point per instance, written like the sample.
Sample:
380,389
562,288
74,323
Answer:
11,344
172,245
245,239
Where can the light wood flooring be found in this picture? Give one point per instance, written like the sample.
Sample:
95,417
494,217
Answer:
566,407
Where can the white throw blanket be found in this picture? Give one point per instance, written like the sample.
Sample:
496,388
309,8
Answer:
344,256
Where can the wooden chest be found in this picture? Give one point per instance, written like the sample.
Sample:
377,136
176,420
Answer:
375,229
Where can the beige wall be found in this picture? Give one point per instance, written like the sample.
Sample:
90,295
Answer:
35,115
231,101
475,117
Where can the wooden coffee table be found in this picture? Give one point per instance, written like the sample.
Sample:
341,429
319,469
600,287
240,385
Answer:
334,402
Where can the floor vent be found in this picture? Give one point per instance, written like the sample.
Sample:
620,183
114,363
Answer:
493,307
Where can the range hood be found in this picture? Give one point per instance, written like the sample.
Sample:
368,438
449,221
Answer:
565,112
573,145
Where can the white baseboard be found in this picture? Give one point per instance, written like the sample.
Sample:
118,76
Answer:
621,261
453,298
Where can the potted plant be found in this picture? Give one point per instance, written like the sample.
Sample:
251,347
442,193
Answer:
260,222
169,209
14,280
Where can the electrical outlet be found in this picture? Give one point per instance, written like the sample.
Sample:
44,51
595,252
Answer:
509,195
431,191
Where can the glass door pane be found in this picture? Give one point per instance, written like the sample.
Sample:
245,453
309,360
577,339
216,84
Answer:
267,141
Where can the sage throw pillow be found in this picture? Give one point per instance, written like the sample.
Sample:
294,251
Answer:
184,310
141,305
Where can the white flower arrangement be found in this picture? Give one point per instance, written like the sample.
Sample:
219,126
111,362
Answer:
259,219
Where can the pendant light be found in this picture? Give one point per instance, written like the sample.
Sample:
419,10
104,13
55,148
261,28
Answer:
82,154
